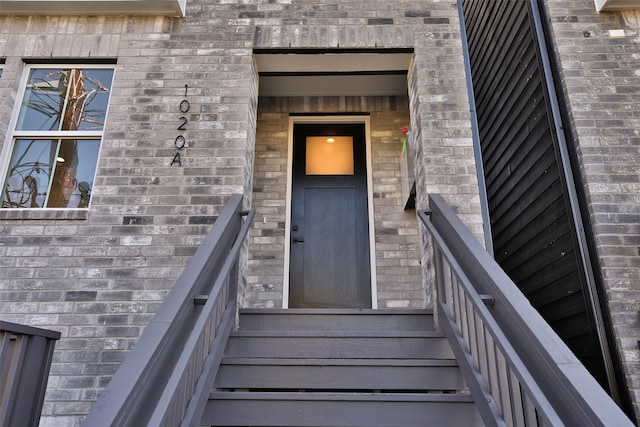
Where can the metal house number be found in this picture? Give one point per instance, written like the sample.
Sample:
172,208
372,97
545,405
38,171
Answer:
180,141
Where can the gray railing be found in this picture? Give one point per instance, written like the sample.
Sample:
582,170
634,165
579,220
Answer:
518,370
25,360
179,352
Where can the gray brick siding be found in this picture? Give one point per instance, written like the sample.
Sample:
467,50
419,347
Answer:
397,251
98,277
599,72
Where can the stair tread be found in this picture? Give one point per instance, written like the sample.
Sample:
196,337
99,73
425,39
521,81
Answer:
341,409
336,319
337,367
341,396
230,360
339,334
336,377
336,311
322,345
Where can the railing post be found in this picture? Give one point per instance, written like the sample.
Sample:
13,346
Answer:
440,283
518,370
167,374
234,275
25,359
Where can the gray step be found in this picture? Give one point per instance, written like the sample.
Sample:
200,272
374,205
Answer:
321,368
339,345
334,374
340,409
335,320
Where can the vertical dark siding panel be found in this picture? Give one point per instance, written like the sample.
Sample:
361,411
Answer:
528,205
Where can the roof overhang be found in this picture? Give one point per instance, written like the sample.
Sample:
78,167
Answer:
612,5
93,7
333,73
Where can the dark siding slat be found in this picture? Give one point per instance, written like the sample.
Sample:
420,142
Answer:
546,264
530,225
566,307
547,271
526,164
534,256
500,82
505,228
542,278
507,139
519,122
528,205
487,69
573,328
543,189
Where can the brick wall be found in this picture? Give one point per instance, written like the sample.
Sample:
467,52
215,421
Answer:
396,247
99,276
440,122
598,60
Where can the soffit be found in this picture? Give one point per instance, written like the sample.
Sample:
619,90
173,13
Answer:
611,5
93,7
332,74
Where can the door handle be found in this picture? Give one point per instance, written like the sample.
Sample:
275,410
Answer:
298,240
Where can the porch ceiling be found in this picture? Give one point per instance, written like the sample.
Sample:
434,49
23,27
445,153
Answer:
331,74
609,5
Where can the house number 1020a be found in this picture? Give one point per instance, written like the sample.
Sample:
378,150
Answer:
180,140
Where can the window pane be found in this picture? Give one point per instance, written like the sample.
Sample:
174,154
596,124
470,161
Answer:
63,170
329,155
74,172
42,101
88,99
27,180
65,99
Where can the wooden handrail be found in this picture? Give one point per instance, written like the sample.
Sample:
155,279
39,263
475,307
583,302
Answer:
518,369
179,351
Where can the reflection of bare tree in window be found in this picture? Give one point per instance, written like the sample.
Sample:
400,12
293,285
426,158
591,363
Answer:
85,194
65,98
64,179
28,175
33,190
25,195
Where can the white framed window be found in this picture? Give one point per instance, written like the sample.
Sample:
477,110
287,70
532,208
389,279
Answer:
55,137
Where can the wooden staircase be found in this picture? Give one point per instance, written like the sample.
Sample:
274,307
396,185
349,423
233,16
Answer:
339,368
351,367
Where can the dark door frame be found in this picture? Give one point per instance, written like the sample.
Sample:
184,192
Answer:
356,119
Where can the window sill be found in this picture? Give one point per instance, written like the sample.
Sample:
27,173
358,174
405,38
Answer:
44,214
613,5
93,7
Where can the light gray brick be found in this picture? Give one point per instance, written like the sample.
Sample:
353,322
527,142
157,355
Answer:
107,252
